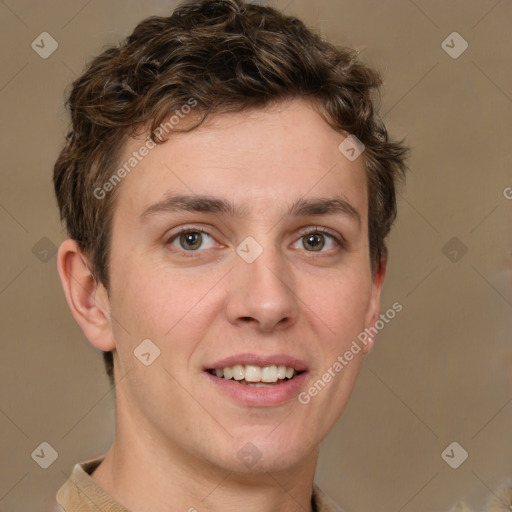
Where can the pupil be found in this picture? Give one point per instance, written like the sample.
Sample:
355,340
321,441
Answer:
315,241
191,240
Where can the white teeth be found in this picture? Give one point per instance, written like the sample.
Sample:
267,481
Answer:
269,374
238,372
252,373
255,374
281,371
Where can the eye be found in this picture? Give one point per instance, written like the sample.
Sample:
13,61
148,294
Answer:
192,240
318,241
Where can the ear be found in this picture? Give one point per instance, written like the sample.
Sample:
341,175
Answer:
373,313
87,299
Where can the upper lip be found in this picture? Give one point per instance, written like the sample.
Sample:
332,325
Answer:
259,360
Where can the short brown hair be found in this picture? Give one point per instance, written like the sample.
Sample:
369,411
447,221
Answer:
228,56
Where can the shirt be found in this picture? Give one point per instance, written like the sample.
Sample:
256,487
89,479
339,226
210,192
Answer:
80,493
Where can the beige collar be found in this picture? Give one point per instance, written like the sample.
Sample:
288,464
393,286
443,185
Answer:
80,493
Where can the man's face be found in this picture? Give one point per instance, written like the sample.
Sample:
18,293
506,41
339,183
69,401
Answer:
272,269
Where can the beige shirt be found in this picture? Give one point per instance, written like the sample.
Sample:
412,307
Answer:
80,493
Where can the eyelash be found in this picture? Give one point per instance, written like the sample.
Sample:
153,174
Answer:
312,230
186,229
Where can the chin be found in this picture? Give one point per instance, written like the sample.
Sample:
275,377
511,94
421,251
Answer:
260,464
262,453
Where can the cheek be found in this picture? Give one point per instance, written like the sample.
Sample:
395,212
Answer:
340,305
168,307
140,304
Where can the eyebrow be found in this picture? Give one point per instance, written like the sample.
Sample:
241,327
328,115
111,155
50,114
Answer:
173,203
208,204
325,206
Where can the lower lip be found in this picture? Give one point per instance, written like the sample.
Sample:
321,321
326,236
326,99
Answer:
267,396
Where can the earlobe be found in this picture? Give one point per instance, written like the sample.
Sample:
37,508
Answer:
86,298
374,306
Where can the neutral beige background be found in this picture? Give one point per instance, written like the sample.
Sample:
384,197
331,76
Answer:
439,370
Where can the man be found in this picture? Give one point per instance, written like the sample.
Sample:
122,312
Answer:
227,188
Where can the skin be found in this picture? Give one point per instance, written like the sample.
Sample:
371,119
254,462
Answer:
177,436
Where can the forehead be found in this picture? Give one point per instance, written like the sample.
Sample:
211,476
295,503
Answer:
258,158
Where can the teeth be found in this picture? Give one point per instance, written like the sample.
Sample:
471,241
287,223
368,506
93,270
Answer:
255,374
281,371
252,373
269,374
238,372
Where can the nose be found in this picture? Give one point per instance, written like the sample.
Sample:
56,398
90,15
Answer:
261,293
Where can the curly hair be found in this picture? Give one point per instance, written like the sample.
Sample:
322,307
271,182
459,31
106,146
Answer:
227,56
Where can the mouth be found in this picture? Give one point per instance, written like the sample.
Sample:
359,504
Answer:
254,380
256,376
258,380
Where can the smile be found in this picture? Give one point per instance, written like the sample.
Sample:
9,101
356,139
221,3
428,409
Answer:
258,376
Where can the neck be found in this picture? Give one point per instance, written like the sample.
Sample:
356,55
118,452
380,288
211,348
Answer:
143,471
